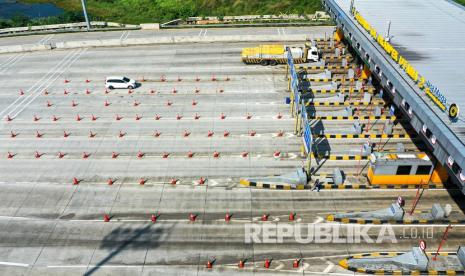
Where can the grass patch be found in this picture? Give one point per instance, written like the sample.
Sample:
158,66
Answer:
144,11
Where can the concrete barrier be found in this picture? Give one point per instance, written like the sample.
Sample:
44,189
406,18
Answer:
150,26
24,48
178,39
151,41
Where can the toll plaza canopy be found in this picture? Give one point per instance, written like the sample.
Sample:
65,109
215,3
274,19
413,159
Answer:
422,45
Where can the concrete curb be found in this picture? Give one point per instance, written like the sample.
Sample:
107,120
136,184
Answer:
334,91
153,41
345,264
362,136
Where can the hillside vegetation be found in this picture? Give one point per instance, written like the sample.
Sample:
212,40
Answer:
140,11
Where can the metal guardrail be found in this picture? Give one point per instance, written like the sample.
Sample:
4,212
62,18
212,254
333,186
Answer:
79,25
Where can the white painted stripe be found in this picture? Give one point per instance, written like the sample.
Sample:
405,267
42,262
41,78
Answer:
329,267
37,84
14,264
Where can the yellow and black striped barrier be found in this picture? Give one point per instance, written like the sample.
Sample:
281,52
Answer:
334,118
362,136
344,157
331,79
287,186
349,103
341,57
385,221
329,67
345,264
341,90
260,185
408,186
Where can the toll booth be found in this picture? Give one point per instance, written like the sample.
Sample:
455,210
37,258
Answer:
402,168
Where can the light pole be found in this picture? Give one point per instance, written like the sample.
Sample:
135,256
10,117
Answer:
83,2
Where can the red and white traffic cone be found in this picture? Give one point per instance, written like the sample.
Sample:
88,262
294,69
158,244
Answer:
21,92
197,116
73,103
114,155
222,116
202,180
49,104
106,103
157,117
142,181
190,154
78,118
157,133
277,154
138,117
93,118
210,133
192,217
54,118
241,264
121,134
61,155
178,117
85,155
106,218
194,103
292,216
38,134
227,217
8,118
153,218
65,134
296,263
216,154
165,155
248,116
174,181
91,134
10,155
118,118
279,116
110,181
13,134
186,133
140,154
245,154
265,217
226,133
76,181
267,263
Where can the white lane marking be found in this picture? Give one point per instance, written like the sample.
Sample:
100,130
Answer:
279,32
205,34
12,62
200,33
127,35
122,35
57,74
281,265
14,264
304,266
45,39
284,32
318,220
329,267
38,82
8,60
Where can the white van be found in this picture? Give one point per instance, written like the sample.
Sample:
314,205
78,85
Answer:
120,82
